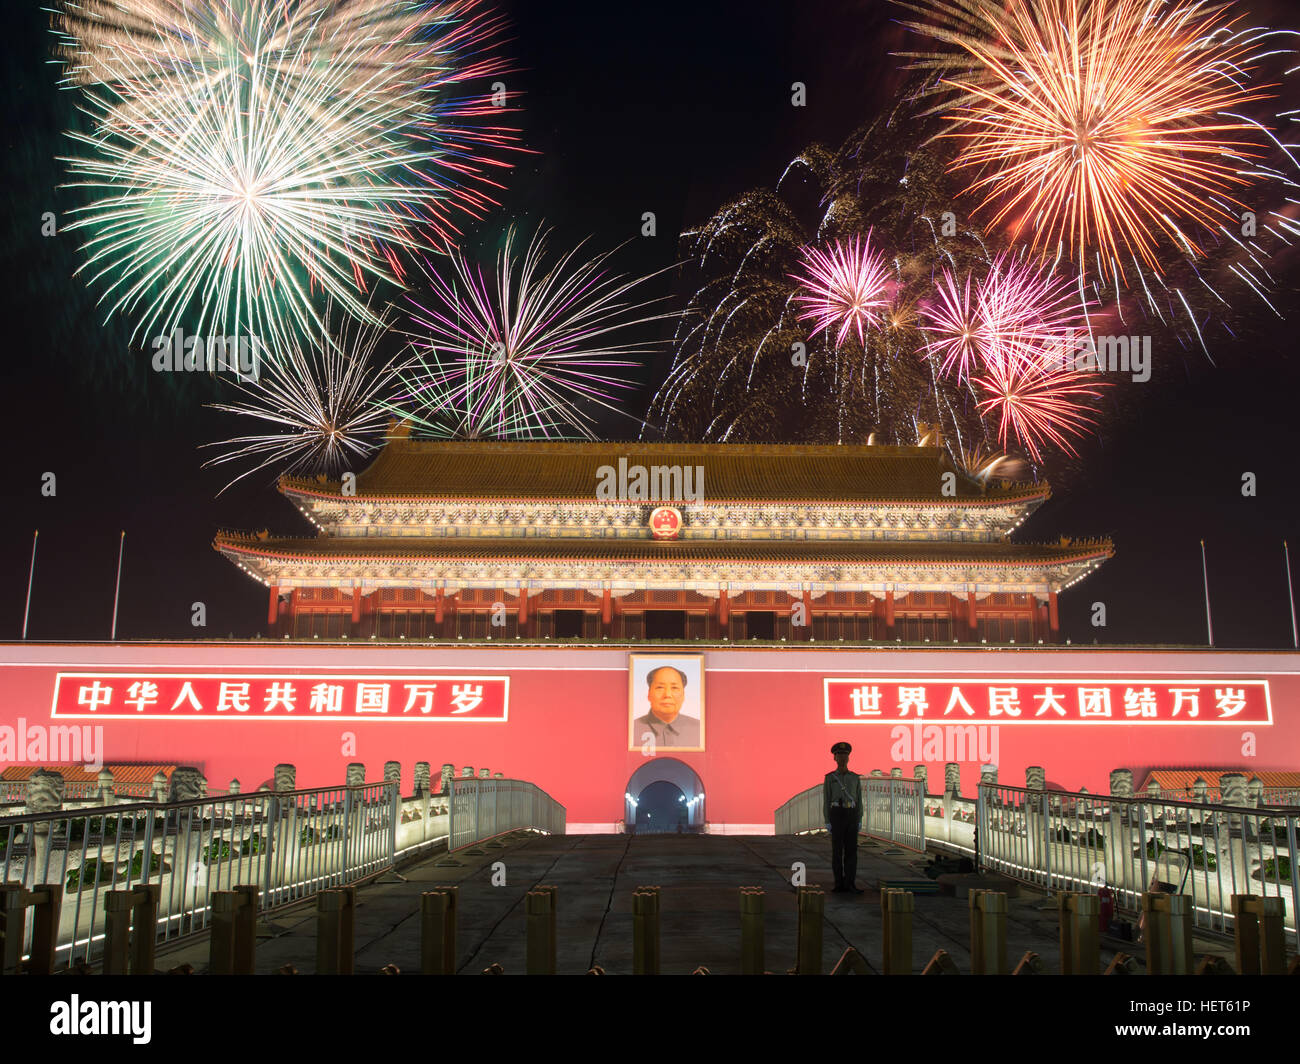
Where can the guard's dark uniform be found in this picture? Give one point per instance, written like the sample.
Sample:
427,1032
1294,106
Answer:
842,803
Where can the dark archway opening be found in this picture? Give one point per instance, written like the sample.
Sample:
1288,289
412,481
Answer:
760,624
661,808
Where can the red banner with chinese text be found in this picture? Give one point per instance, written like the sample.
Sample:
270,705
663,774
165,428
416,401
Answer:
279,696
1146,700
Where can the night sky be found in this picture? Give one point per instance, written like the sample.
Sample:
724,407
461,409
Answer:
673,108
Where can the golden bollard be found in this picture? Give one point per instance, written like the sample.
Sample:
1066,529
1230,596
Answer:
896,908
539,908
645,931
752,942
988,932
438,931
808,949
1080,917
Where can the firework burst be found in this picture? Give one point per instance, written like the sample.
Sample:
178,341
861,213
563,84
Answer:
526,351
1119,134
845,285
249,159
323,404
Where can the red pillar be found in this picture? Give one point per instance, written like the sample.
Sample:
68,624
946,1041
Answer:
293,612
807,632
273,611
523,612
1053,618
889,613
606,612
356,611
971,620
724,610
438,596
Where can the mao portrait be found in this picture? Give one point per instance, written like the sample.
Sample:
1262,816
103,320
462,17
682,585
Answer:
666,701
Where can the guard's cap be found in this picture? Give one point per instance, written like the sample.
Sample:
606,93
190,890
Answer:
841,748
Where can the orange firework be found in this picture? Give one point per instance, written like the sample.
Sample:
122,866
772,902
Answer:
1099,125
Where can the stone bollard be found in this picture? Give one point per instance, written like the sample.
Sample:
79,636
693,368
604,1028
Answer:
1259,934
877,774
467,772
919,773
752,943
645,931
952,778
1200,790
126,953
896,773
539,908
1080,916
1153,790
158,789
988,776
988,932
286,776
448,774
232,944
1035,778
438,931
421,779
355,774
808,944
498,775
1121,783
106,796
1167,930
186,785
484,774
335,931
896,908
233,788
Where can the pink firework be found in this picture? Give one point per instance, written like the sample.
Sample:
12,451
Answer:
953,326
1038,403
845,286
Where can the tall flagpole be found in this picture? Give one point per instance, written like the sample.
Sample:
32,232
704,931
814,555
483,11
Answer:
1290,594
32,572
118,588
1205,576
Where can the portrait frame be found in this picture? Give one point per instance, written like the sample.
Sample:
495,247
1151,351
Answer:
639,668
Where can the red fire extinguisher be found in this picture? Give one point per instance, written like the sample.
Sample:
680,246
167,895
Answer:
1107,907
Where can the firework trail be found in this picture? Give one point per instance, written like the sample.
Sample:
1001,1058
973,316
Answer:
322,403
526,350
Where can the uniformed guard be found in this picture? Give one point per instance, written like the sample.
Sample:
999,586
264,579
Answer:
842,801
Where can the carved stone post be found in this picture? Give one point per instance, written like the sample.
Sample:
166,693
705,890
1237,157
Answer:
422,773
1119,846
106,796
393,773
467,772
1037,816
158,789
286,777
919,773
187,784
1232,790
484,774
448,774
44,795
355,774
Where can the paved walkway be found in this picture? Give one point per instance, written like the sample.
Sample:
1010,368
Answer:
699,908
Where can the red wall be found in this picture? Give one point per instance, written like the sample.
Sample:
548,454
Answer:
568,718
